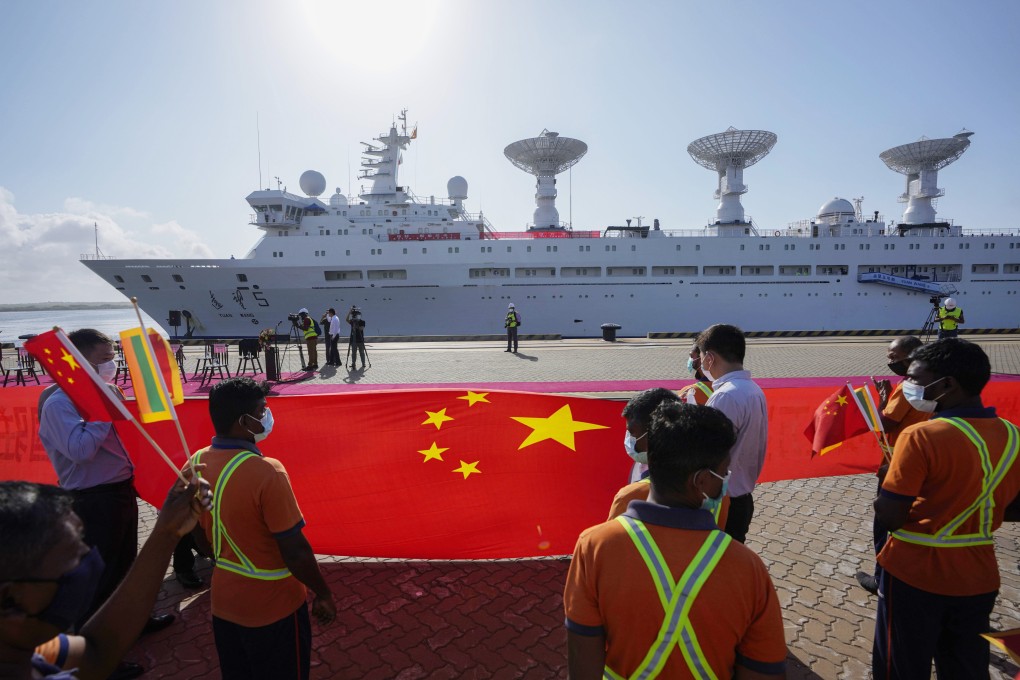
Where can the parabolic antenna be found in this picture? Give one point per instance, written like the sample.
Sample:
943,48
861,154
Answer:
728,153
921,161
545,157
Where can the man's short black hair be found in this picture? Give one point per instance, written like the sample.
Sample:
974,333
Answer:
725,340
30,519
231,399
685,438
964,361
331,310
639,408
907,343
87,338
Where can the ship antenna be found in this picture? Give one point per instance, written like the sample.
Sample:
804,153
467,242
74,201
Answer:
95,227
258,141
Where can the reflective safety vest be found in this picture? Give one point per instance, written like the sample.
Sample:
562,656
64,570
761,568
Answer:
243,567
511,319
946,537
310,331
948,318
676,599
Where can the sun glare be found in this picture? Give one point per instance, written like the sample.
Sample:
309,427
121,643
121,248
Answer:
375,36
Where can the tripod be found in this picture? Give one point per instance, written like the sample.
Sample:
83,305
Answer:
930,324
296,337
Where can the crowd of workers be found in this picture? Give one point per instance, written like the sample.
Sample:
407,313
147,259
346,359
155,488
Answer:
666,587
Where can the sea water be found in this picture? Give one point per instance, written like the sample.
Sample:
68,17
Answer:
109,321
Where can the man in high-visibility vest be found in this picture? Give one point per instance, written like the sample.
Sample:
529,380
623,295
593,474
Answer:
897,414
308,329
700,390
511,323
660,591
953,480
950,316
263,562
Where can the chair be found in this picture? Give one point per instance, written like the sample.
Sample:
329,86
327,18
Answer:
248,352
123,375
25,365
216,360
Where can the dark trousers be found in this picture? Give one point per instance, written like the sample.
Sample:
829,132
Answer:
279,651
328,339
313,351
184,554
913,627
738,520
948,334
511,339
110,515
879,534
356,346
333,349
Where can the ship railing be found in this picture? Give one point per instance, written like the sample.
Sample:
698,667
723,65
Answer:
594,233
95,256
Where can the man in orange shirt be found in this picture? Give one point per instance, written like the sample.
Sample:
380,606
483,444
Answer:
263,560
625,613
897,414
700,390
951,484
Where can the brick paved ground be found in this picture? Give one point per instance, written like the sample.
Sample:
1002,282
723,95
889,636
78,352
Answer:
504,619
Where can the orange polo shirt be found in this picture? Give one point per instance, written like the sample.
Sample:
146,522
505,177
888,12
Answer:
256,507
638,491
610,592
937,466
900,410
695,394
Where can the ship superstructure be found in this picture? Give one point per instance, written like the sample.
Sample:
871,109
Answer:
425,266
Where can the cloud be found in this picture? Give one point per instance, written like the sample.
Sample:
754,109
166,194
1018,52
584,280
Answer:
41,251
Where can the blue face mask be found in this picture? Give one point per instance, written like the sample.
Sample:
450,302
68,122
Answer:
691,368
75,591
712,504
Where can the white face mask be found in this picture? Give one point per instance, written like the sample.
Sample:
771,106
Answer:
630,443
107,370
704,370
914,394
267,425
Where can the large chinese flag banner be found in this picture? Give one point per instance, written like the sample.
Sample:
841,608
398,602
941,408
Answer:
450,473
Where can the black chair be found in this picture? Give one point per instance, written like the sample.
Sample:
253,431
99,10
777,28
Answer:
248,351
216,361
123,375
24,366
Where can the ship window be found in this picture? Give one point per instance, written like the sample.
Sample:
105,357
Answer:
405,251
424,250
343,275
529,249
118,278
347,252
509,249
240,277
761,247
633,248
678,247
364,231
146,278
741,246
697,247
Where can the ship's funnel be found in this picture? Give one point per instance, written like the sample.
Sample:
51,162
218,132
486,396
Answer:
545,157
729,153
921,161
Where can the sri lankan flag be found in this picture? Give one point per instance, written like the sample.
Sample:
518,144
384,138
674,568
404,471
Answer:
146,368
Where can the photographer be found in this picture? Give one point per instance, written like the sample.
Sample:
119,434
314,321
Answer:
311,333
950,316
357,341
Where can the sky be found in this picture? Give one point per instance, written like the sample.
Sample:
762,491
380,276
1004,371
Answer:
149,120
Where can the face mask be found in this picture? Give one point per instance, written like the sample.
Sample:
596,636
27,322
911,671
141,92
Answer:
107,370
914,393
704,370
691,368
75,590
630,443
898,367
712,504
267,426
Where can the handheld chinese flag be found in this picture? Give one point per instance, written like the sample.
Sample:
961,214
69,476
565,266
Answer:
836,420
91,396
1006,640
154,404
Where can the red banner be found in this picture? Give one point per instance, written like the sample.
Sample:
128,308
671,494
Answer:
444,474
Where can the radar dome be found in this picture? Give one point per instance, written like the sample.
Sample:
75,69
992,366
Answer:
312,182
837,207
338,200
457,188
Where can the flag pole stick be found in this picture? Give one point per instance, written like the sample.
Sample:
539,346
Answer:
162,386
886,450
867,419
160,451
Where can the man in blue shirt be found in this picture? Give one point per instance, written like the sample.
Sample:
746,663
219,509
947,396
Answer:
92,464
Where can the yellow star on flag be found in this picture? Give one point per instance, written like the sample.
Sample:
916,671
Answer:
48,352
560,427
841,399
468,469
473,398
437,418
433,453
71,362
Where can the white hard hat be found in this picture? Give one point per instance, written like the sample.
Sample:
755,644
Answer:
303,310
950,303
511,306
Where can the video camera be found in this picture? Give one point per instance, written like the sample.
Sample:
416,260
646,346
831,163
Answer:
294,318
936,299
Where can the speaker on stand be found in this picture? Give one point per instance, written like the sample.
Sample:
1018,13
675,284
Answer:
174,320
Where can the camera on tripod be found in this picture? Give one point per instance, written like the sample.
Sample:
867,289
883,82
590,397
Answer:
936,299
294,318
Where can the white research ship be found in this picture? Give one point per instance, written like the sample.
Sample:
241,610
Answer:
427,267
